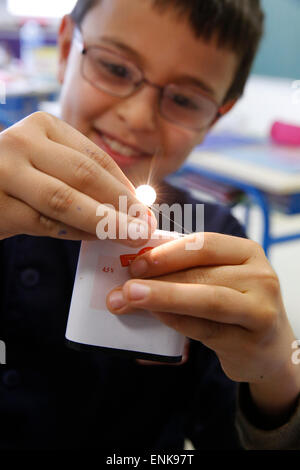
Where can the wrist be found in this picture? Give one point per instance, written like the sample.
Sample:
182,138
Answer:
277,396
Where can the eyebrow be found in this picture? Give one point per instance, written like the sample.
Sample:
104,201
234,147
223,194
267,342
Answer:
184,78
121,45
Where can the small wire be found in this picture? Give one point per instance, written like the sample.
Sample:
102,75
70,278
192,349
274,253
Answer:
178,225
152,166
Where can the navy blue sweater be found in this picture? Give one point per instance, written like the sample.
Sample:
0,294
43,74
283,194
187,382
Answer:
52,397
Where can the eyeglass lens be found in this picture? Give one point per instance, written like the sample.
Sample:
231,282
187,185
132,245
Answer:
116,75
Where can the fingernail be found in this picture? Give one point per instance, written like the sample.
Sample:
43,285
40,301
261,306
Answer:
138,291
116,300
139,267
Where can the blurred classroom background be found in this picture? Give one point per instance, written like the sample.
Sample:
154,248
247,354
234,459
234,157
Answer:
258,143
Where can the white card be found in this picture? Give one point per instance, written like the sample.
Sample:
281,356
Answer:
102,266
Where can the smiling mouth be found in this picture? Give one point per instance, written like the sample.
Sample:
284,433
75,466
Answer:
119,151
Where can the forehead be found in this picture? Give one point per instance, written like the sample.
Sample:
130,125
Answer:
165,43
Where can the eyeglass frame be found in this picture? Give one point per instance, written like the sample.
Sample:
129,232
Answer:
78,36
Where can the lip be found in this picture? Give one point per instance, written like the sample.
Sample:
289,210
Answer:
120,159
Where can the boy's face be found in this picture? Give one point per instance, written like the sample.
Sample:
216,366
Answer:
166,50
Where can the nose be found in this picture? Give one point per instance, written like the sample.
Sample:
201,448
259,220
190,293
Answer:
140,110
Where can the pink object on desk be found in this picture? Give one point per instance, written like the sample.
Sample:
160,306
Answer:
285,134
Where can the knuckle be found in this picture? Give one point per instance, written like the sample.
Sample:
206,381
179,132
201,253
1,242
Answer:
47,225
256,249
215,298
19,132
272,285
14,139
60,199
265,315
268,279
101,158
42,117
269,317
257,246
86,173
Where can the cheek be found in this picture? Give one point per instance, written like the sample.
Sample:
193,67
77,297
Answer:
179,143
80,102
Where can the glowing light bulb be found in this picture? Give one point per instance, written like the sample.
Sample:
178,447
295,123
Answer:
146,194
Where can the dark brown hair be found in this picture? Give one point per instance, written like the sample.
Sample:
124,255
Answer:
238,25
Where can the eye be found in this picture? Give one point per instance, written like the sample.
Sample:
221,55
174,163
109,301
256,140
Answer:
118,70
184,101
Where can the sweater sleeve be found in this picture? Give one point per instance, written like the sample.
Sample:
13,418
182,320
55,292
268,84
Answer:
253,435
210,409
251,430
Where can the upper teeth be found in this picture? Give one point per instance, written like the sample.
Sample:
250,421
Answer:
120,148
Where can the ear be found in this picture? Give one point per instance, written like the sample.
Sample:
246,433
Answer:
224,110
65,34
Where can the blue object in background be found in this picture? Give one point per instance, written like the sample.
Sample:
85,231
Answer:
279,54
31,40
225,139
18,107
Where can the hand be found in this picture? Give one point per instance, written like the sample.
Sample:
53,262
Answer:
225,295
53,179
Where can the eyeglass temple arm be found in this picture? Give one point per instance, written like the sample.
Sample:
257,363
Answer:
77,37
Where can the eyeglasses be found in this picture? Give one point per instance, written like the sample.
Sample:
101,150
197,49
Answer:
114,74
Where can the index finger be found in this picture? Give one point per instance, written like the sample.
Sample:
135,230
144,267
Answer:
217,249
61,132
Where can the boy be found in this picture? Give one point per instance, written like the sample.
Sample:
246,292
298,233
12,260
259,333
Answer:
139,78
